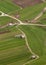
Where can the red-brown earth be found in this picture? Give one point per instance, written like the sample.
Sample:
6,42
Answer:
25,3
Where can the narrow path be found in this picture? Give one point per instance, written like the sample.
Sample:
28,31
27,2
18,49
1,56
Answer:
43,1
20,23
39,15
42,25
25,39
15,19
27,44
3,14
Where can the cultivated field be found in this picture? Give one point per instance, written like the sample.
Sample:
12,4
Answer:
30,13
37,42
22,32
42,19
12,50
8,7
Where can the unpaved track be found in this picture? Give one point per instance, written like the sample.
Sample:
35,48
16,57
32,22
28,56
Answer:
27,44
25,39
42,25
39,15
15,19
3,14
20,23
43,1
25,24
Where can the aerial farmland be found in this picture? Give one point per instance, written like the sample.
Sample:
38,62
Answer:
22,32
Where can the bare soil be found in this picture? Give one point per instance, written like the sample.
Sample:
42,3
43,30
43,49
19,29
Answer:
25,3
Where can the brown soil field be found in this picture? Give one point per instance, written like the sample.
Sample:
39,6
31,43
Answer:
25,3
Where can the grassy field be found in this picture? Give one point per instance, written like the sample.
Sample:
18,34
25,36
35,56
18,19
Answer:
42,19
14,51
8,46
8,7
30,13
6,20
37,41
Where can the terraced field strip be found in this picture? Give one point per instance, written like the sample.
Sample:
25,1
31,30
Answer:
8,47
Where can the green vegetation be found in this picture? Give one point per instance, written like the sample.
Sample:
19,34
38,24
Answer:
0,13
31,12
6,20
13,50
8,7
37,41
42,20
8,46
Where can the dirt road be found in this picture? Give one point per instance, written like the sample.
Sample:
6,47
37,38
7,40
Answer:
20,23
27,44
